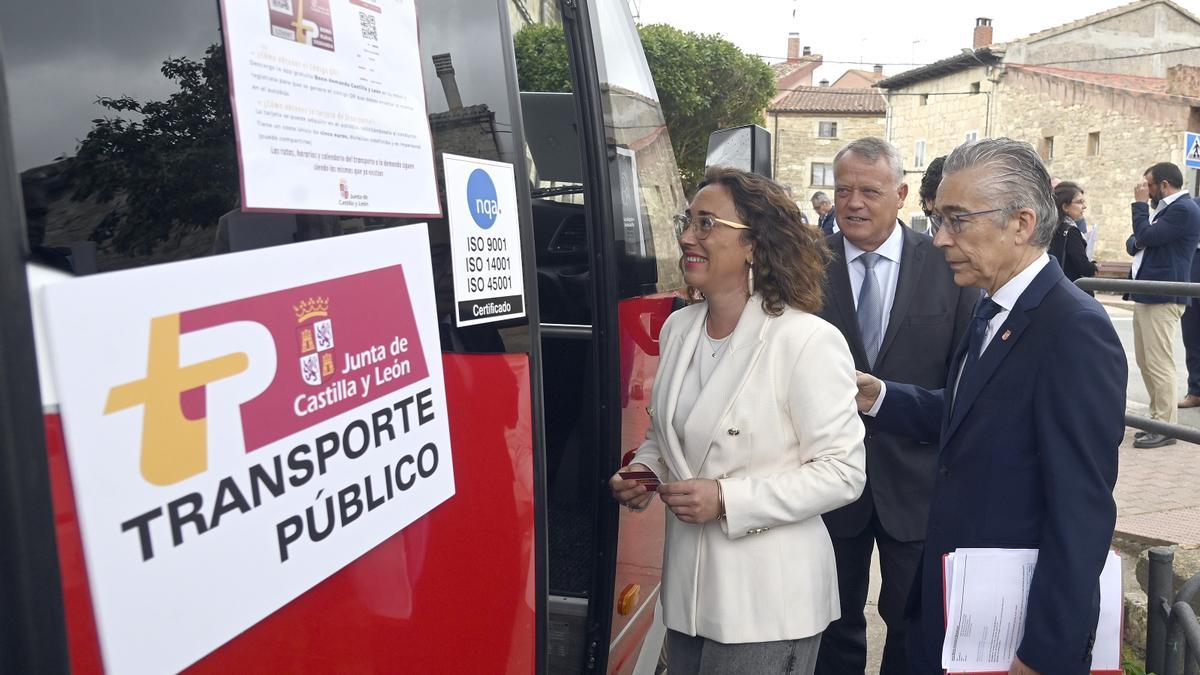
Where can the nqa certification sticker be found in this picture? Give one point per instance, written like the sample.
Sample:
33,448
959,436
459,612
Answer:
485,240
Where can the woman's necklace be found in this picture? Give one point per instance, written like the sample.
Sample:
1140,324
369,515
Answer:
715,346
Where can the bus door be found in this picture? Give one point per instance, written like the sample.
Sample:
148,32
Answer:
118,157
606,185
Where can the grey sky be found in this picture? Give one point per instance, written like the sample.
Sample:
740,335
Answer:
873,31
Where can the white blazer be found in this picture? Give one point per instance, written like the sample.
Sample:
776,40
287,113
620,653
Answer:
778,426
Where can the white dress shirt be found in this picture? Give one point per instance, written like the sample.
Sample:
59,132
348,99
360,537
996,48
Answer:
1006,296
1162,204
887,271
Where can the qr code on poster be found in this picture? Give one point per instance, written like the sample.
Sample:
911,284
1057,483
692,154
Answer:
284,6
367,22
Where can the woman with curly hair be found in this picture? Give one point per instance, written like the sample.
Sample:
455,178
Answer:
754,434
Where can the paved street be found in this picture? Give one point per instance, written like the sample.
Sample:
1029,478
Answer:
1158,490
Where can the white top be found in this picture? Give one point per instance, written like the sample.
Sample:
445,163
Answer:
1162,204
1006,296
704,361
887,271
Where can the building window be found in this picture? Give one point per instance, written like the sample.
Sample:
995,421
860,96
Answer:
919,223
923,100
1093,147
822,174
827,129
974,87
919,155
1047,148
972,136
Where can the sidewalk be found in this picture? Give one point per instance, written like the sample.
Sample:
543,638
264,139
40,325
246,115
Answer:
1158,493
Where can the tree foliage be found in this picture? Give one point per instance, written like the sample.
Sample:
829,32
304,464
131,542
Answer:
173,162
704,83
542,58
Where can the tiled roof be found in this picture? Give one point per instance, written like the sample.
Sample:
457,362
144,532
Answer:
1127,83
986,56
852,79
829,100
785,68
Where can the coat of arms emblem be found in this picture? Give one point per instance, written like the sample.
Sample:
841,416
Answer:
315,334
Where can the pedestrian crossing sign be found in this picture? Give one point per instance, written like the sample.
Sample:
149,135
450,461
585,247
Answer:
1191,150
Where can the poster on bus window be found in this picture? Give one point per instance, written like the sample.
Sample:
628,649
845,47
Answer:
329,107
485,240
237,440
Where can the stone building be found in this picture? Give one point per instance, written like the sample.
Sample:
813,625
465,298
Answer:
809,125
1098,114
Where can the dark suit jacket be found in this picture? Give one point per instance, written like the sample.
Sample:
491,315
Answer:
1195,302
1070,250
826,222
1028,460
1169,243
929,315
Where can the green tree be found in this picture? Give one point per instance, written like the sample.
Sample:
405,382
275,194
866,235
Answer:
542,58
173,163
704,83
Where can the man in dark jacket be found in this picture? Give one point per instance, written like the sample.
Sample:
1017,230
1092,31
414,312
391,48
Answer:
1163,244
902,317
1027,422
1190,323
823,205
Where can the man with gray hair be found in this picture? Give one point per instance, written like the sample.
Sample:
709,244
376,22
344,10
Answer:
823,205
1029,420
893,298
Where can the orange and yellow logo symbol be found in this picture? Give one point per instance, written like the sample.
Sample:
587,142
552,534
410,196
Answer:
173,446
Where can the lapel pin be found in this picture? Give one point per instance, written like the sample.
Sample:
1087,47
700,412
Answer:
1007,334
733,431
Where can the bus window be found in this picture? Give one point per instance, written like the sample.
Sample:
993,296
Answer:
645,177
125,142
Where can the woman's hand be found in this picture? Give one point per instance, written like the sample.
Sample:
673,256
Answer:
692,501
630,493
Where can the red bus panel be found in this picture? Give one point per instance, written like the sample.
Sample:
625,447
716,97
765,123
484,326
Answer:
453,592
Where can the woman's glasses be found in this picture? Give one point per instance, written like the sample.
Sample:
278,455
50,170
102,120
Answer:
703,225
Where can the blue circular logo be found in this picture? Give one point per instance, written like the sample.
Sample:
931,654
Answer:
481,199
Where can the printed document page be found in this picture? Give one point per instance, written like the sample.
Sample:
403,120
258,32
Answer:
985,614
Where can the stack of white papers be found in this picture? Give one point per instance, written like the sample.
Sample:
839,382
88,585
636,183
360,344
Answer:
986,594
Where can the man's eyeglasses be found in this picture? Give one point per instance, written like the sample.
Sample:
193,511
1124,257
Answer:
703,225
954,222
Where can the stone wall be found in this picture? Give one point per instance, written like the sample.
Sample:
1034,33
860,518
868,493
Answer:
1153,27
1134,132
941,112
796,147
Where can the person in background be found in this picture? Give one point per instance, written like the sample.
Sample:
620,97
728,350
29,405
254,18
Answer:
929,185
893,298
826,219
1166,231
1068,246
754,434
1190,323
